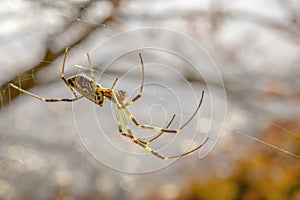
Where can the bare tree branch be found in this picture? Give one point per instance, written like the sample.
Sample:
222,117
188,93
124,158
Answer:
7,94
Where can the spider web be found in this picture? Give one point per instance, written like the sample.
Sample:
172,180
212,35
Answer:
84,17
257,97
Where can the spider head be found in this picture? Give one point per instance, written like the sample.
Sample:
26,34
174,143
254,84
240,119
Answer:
122,97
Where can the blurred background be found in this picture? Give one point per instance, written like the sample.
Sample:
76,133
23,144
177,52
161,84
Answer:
255,45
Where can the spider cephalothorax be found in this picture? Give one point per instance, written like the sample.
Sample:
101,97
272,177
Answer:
90,89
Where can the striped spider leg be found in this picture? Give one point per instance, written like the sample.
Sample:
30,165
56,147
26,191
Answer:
65,81
90,89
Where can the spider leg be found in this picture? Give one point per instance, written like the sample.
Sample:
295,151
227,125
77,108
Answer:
142,84
114,84
132,118
92,72
65,81
158,135
118,118
142,143
46,99
63,74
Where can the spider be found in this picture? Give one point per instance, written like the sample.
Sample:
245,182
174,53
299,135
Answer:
90,89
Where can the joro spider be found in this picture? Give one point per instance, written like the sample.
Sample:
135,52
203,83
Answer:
90,89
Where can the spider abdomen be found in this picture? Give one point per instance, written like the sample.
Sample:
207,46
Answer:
86,87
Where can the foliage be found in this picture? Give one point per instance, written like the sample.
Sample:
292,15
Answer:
262,174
